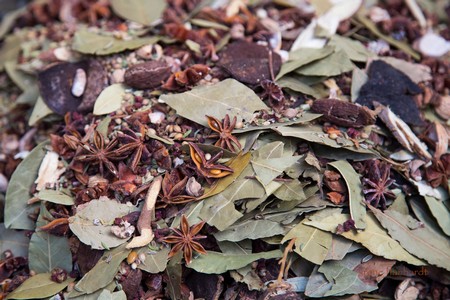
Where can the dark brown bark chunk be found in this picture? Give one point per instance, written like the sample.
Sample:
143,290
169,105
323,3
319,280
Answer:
249,62
148,75
343,113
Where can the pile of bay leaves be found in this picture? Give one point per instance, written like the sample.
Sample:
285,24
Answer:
272,230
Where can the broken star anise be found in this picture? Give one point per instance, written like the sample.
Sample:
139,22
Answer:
377,183
173,186
225,129
101,154
207,166
186,239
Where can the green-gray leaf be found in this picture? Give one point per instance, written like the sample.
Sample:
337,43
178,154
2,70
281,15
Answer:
55,196
440,212
110,99
40,110
419,241
39,286
88,42
18,193
332,65
154,262
13,240
48,251
310,243
373,237
226,97
250,229
92,222
302,57
218,263
107,295
140,11
103,272
354,49
355,194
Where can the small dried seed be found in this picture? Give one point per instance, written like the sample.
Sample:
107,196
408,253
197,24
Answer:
79,83
215,172
132,257
207,156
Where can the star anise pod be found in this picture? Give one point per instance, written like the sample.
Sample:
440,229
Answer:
439,172
274,94
134,142
173,186
207,166
377,183
101,154
185,239
225,129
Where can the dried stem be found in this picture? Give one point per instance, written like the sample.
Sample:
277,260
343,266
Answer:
144,224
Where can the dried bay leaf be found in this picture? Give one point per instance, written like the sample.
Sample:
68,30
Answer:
373,237
39,286
344,280
312,133
174,274
250,229
110,99
23,80
225,97
416,72
13,240
332,65
355,194
305,117
18,193
354,49
359,78
291,190
140,11
91,296
92,222
268,169
419,241
302,57
154,262
440,212
217,263
40,111
88,42
294,83
48,251
103,272
219,210
56,196
339,248
10,48
424,215
238,164
107,295
311,243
